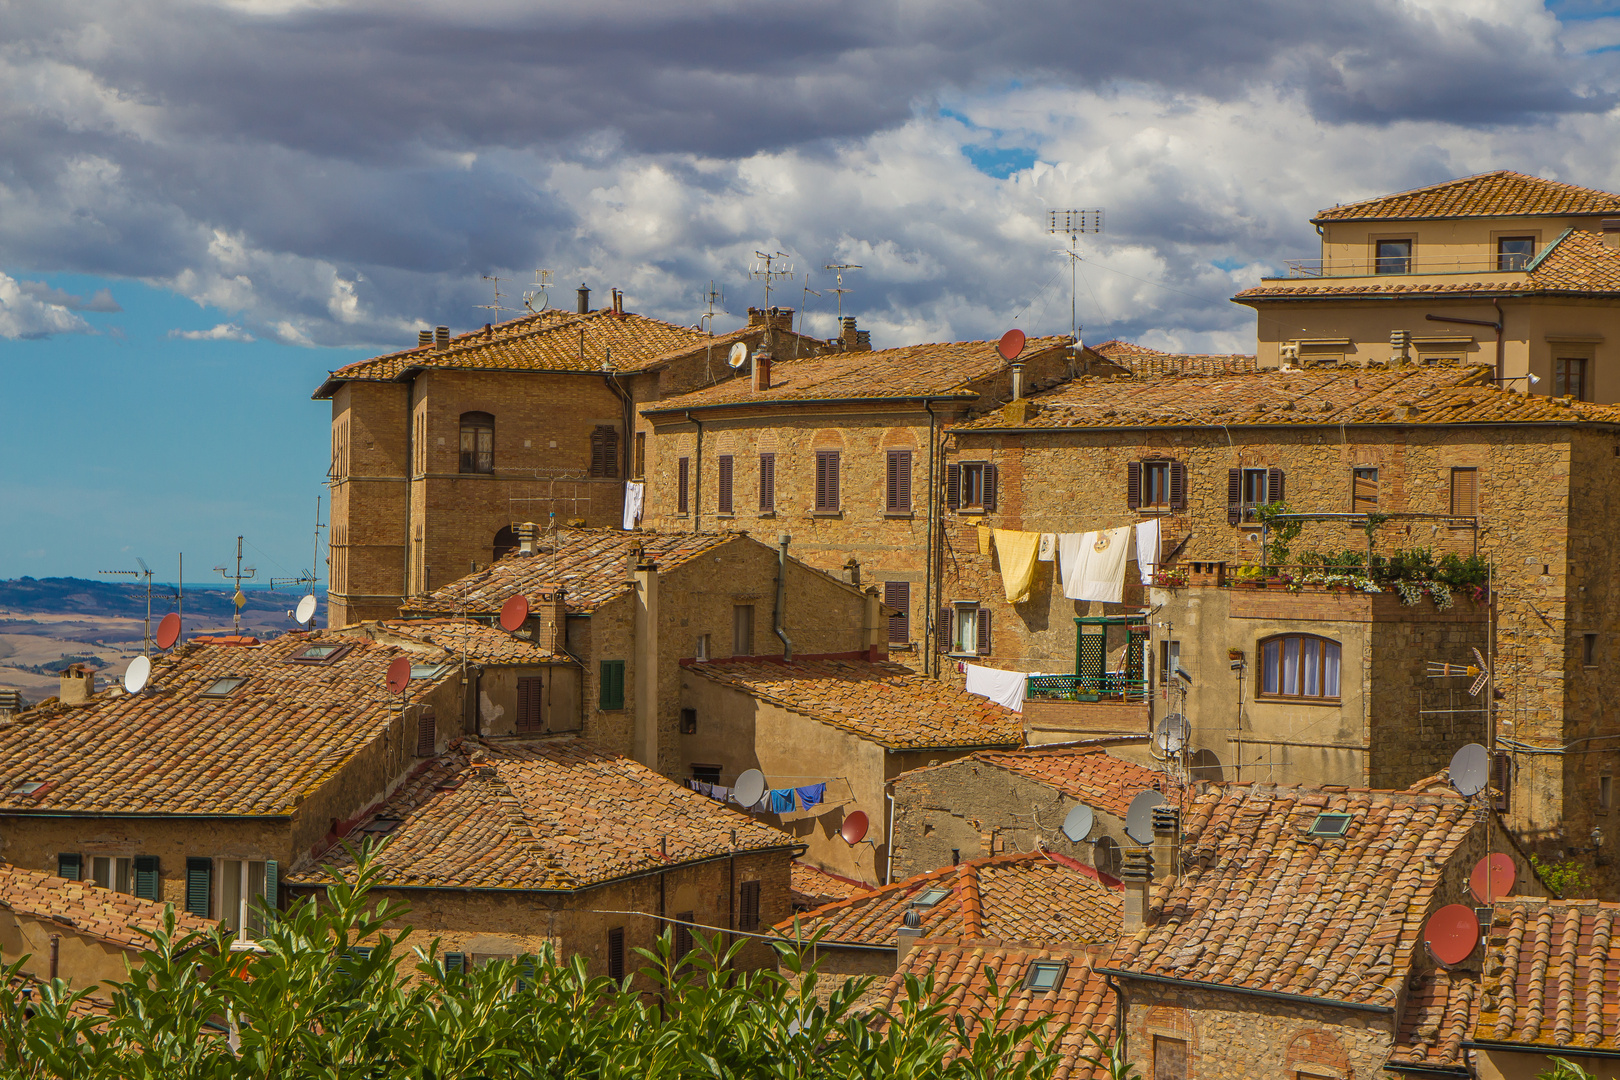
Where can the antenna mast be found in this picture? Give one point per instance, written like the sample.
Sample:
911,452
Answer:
146,645
495,304
542,282
1073,223
238,600
310,577
712,296
766,268
839,268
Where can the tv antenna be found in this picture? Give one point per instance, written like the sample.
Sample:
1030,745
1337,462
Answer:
495,305
144,571
712,296
808,293
542,282
238,601
766,267
1480,671
838,270
310,578
1074,224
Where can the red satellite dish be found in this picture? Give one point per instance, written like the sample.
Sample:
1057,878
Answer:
854,830
513,612
1010,345
399,674
168,631
1492,878
1452,933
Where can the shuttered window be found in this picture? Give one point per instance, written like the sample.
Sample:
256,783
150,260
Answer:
1249,488
615,956
530,696
612,684
953,486
897,596
1363,491
1465,492
943,631
605,451
148,884
477,442
683,479
984,632
826,480
767,483
971,486
748,902
1169,1059
455,961
427,732
683,933
70,865
641,454
725,483
199,886
897,483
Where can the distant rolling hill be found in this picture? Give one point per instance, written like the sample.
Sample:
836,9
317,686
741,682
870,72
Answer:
124,599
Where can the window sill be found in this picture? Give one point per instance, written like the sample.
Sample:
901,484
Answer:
1279,699
905,515
966,655
971,511
767,515
826,513
902,646
725,517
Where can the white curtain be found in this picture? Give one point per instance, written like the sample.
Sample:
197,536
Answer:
1311,668
1268,668
1290,672
1330,670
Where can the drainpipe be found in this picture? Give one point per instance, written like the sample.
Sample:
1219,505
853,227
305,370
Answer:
628,446
782,542
644,742
410,461
697,477
888,842
1119,1015
56,954
930,654
1497,326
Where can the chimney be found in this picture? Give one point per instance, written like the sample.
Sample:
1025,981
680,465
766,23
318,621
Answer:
863,341
1017,381
848,334
528,533
552,614
1611,232
1166,840
424,338
852,572
1138,874
584,299
78,685
876,636
441,338
618,302
756,316
644,739
910,930
762,371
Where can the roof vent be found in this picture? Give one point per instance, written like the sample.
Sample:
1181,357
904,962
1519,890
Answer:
424,338
441,338
584,299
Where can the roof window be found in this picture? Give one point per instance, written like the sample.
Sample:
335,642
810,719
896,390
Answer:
1330,825
382,826
930,896
427,671
224,687
322,653
28,787
1045,975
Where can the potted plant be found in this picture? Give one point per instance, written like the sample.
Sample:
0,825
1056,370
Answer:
1249,576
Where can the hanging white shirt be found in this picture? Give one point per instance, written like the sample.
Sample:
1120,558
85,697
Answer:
634,492
1101,574
1147,549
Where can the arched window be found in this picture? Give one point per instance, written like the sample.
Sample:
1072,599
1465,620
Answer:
477,442
1300,667
506,540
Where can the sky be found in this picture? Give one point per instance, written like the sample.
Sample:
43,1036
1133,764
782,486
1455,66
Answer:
205,206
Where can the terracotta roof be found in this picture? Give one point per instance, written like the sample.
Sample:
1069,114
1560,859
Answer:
1260,904
1030,897
259,750
1141,360
592,565
116,918
1093,776
462,638
1551,971
86,1008
939,368
1438,1015
813,885
1317,396
1503,193
1081,1003
886,703
556,815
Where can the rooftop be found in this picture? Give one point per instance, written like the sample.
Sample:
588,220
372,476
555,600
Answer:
253,747
116,918
937,369
1438,1016
886,703
1141,360
463,638
551,815
812,885
1260,904
1440,393
1029,897
1093,776
1551,968
1503,193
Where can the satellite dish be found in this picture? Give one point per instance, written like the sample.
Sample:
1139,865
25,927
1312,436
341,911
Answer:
168,631
513,612
1139,818
738,355
135,676
1470,769
854,830
1452,933
750,787
1172,733
1492,878
399,674
1010,345
306,609
1077,826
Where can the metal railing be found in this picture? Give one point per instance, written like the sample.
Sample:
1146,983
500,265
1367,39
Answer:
1493,263
1111,686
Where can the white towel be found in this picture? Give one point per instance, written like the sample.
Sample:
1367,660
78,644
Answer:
1002,687
1072,548
1048,549
634,492
1147,549
1099,572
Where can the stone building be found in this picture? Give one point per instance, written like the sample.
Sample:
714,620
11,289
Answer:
630,607
502,849
235,761
845,722
1504,269
1439,457
440,450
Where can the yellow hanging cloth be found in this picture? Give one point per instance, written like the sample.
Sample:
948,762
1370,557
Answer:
1017,552
984,539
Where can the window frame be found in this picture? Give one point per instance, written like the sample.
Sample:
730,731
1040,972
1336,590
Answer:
748,905
983,642
1561,377
897,477
725,467
1261,680
251,923
767,482
1504,260
683,485
481,462
1472,473
1357,502
604,452
742,629
339,651
1045,976
640,461
1380,260
897,595
211,691
610,693
530,715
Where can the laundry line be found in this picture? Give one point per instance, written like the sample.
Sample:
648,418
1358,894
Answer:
1090,565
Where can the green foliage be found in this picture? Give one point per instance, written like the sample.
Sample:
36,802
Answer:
1564,1069
1280,535
311,1006
1564,876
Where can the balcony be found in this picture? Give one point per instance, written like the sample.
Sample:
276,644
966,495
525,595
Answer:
1093,701
1515,263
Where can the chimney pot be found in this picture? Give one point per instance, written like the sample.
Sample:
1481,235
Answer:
1017,381
618,302
424,338
584,299
1166,840
528,533
441,338
1137,872
78,685
852,571
762,371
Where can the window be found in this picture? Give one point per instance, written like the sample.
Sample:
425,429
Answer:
1502,781
1254,488
897,597
700,650
1156,485
1169,1058
69,865
742,630
641,454
748,906
245,886
1045,975
1363,491
427,732
1514,252
1299,666
324,653
531,705
706,774
971,485
1169,660
689,724
971,635
200,886
454,961
1465,492
897,483
683,467
1105,856
1334,825
611,690
605,451
505,542
725,483
477,442
826,481
1248,488
1569,377
1605,792
615,953
1589,650
117,874
1394,257
427,671
930,896
767,483
224,687
683,932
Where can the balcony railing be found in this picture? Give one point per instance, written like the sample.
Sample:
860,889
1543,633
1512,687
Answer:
1108,686
1406,264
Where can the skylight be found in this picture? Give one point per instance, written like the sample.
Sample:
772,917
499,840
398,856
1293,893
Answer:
382,825
224,687
1330,825
1044,975
28,787
426,671
324,653
930,896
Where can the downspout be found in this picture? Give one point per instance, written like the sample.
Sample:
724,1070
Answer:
410,484
930,654
1500,367
697,477
888,840
628,446
782,542
1119,1015
1497,326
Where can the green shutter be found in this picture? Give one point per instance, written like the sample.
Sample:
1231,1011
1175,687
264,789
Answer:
272,890
455,961
148,885
612,684
69,865
199,885
526,967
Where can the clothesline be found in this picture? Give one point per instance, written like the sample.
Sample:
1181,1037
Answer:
778,800
1090,565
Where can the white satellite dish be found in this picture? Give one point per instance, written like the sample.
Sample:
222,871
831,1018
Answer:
750,787
1172,734
1470,769
135,676
306,609
738,355
1139,818
1077,826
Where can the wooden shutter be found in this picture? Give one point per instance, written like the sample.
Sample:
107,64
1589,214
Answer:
990,474
725,483
610,691
1275,492
1178,485
1465,492
531,695
681,477
199,886
943,629
898,484
767,482
615,956
605,451
1234,496
897,595
455,961
1133,484
827,480
272,884
70,865
427,732
953,486
749,897
821,481
148,885
984,631
641,454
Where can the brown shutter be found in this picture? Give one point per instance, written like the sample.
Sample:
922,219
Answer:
891,484
953,486
905,481
1274,486
1234,496
767,482
615,957
897,596
1133,485
943,630
1465,492
725,483
821,481
681,477
989,487
984,631
641,454
426,732
1178,485
748,896
832,480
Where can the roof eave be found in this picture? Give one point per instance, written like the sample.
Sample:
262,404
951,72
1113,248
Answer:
957,432
809,401
1538,1048
1274,995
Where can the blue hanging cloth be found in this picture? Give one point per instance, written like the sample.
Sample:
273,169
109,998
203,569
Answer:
781,800
811,795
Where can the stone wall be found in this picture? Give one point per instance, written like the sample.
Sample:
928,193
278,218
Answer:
368,516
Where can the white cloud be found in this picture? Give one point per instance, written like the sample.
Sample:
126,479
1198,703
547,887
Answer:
221,332
25,313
